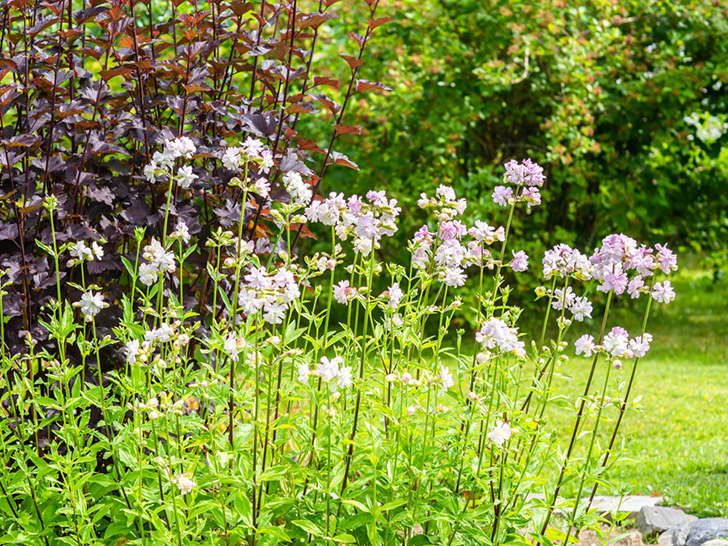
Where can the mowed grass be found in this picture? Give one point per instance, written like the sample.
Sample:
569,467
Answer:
678,445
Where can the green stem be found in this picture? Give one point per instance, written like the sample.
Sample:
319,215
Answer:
579,415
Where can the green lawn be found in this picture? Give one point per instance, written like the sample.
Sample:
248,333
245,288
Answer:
679,445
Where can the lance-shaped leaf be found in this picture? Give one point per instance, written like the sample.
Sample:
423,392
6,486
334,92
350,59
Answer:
348,129
327,102
309,146
353,62
338,158
374,23
324,80
315,20
365,85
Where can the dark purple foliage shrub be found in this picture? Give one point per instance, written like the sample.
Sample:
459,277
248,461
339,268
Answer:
88,93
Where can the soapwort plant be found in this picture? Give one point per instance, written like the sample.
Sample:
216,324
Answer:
311,406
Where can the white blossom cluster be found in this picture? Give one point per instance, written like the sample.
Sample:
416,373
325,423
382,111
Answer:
366,222
268,292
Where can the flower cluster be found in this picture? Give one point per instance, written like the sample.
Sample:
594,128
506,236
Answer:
271,293
158,262
445,252
563,261
80,253
495,333
163,162
252,151
579,306
365,221
299,192
619,255
527,177
330,371
615,344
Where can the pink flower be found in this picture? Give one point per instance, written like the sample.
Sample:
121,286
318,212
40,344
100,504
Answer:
527,172
423,235
501,195
483,233
614,280
343,293
520,261
634,287
666,258
533,173
452,229
562,299
531,196
395,295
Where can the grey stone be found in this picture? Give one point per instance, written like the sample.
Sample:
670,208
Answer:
704,530
651,519
630,504
677,536
716,542
696,533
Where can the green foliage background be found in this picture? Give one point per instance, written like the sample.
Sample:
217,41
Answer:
596,91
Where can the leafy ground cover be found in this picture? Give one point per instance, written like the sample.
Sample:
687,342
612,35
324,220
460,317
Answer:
679,446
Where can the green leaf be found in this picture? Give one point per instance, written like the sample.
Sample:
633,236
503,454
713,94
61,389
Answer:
308,526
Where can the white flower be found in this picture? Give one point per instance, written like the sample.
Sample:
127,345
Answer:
453,277
329,369
496,333
640,345
252,147
91,303
303,373
179,147
232,347
363,246
560,298
581,308
261,187
663,292
97,250
158,258
232,158
148,274
150,172
81,253
274,313
343,379
298,190
447,193
616,342
185,177
184,483
267,160
500,434
585,345
131,349
446,379
181,232
162,334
